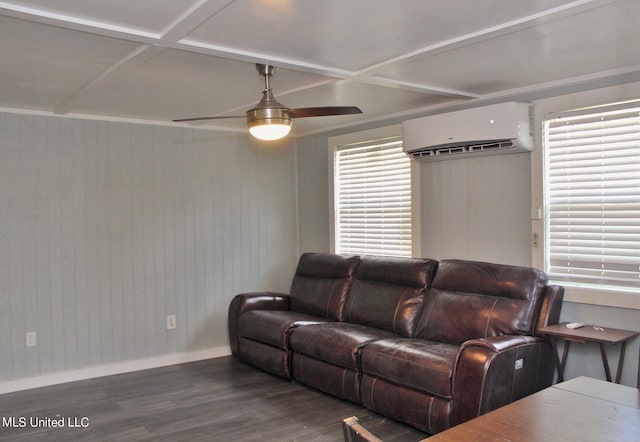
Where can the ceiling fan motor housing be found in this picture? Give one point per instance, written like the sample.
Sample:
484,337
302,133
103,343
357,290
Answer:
260,116
268,111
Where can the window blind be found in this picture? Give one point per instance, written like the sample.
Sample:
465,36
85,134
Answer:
592,188
372,201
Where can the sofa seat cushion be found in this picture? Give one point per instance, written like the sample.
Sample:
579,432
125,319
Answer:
337,343
273,326
425,366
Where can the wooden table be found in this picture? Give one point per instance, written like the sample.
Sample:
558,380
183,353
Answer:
588,333
582,409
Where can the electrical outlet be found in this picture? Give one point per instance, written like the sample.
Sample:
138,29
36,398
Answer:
31,339
171,322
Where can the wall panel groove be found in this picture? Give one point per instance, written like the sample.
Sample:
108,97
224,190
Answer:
106,228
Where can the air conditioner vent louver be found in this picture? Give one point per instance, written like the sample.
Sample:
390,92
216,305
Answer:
484,147
489,130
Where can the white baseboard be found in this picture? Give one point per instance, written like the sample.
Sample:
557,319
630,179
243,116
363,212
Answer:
111,369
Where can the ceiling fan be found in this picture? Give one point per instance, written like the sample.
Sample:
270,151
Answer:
270,120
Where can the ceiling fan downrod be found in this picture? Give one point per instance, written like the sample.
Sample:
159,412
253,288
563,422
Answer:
268,108
268,112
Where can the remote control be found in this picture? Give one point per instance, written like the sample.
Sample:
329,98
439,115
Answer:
573,325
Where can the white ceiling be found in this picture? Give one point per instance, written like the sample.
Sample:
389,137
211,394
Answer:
163,59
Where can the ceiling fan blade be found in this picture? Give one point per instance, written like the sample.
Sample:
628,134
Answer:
303,112
207,118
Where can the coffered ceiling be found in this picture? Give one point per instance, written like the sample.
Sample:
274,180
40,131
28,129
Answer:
157,60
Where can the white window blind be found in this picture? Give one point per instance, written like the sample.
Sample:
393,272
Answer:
592,187
372,201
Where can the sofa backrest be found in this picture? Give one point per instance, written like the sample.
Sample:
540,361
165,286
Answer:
469,300
321,283
387,293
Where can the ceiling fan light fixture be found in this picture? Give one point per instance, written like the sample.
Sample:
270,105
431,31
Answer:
269,130
269,123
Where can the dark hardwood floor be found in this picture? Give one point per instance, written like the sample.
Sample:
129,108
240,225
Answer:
214,400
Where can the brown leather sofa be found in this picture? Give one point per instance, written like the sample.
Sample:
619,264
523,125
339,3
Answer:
429,343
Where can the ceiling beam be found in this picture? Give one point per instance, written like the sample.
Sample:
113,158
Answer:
257,57
122,66
182,26
175,36
415,87
191,19
483,34
77,24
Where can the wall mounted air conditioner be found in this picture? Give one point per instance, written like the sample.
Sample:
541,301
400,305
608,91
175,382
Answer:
489,130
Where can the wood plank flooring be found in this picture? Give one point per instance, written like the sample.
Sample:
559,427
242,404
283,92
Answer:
214,400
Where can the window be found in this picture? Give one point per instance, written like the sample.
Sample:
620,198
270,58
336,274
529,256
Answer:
372,198
592,194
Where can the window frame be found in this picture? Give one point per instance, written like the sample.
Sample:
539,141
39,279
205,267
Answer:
363,136
579,191
543,109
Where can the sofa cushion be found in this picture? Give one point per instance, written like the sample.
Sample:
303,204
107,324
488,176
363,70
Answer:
470,300
321,283
338,381
337,343
387,293
273,326
267,357
424,411
425,366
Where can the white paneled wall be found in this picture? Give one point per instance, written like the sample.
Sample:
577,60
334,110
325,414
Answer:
477,209
313,201
108,227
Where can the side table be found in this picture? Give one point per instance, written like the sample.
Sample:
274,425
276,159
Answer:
588,333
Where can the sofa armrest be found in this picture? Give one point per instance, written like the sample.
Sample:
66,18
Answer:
245,302
550,308
492,372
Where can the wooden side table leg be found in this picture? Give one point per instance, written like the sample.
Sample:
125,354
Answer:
556,359
605,362
620,361
565,353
